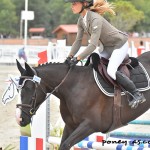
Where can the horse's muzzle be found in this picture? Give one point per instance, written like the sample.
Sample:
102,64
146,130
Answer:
20,118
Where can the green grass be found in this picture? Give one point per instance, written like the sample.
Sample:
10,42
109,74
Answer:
25,131
57,131
9,147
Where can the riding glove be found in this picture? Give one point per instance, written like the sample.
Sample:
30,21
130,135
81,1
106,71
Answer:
73,61
67,61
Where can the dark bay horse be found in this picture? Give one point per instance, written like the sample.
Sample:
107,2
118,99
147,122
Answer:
84,108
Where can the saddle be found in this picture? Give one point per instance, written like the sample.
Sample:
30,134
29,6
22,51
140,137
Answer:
100,66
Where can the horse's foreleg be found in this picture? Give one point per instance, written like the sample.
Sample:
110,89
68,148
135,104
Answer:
67,118
67,131
82,131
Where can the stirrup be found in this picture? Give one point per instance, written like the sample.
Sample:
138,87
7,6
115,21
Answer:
134,104
142,100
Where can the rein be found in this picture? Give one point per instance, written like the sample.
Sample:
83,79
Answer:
56,88
33,107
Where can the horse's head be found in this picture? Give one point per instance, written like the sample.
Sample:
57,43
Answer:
32,93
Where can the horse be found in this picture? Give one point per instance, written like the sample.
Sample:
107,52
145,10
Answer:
83,107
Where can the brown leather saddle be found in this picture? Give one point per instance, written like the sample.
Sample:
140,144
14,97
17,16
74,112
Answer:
102,68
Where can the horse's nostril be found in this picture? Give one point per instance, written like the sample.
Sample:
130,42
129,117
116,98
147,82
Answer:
22,123
22,120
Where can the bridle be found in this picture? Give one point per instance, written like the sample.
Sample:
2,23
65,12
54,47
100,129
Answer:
33,108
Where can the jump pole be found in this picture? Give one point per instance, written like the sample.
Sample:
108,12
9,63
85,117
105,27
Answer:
40,124
99,146
140,122
108,145
130,135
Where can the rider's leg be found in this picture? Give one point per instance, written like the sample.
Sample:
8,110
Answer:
130,86
115,60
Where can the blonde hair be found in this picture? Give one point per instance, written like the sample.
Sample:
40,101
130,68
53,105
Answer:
102,6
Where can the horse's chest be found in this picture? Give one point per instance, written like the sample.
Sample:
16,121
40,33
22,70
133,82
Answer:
69,114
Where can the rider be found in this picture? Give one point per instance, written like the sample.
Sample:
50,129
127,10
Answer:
112,42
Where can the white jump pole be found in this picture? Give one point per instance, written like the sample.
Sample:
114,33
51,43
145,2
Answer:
147,46
39,123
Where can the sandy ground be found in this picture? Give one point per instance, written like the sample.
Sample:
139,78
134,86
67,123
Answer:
10,131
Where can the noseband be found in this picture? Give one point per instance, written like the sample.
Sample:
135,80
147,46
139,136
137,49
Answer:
33,108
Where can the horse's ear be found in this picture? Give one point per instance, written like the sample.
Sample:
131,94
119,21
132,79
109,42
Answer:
29,70
20,68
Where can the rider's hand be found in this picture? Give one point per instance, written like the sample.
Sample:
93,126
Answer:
67,61
73,61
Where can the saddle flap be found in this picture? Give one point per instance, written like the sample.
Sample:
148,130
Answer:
102,68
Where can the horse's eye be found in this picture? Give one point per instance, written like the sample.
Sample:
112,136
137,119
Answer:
27,88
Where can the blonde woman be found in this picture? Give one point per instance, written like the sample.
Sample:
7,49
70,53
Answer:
112,42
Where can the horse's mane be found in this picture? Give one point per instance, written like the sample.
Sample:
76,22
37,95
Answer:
49,63
55,63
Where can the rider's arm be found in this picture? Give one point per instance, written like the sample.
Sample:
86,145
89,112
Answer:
77,43
94,40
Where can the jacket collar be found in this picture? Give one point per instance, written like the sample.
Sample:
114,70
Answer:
87,21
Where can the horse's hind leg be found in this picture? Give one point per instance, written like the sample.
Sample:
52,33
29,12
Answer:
82,131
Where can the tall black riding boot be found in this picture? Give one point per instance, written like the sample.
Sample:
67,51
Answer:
128,85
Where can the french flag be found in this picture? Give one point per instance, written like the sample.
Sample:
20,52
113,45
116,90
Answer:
30,143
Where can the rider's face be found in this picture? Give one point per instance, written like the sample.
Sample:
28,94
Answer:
76,7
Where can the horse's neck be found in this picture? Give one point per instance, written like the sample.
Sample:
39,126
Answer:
52,74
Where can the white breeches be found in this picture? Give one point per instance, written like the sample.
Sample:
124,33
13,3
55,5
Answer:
116,59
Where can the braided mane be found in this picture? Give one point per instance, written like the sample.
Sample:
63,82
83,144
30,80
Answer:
49,63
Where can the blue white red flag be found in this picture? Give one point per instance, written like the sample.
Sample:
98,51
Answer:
30,143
